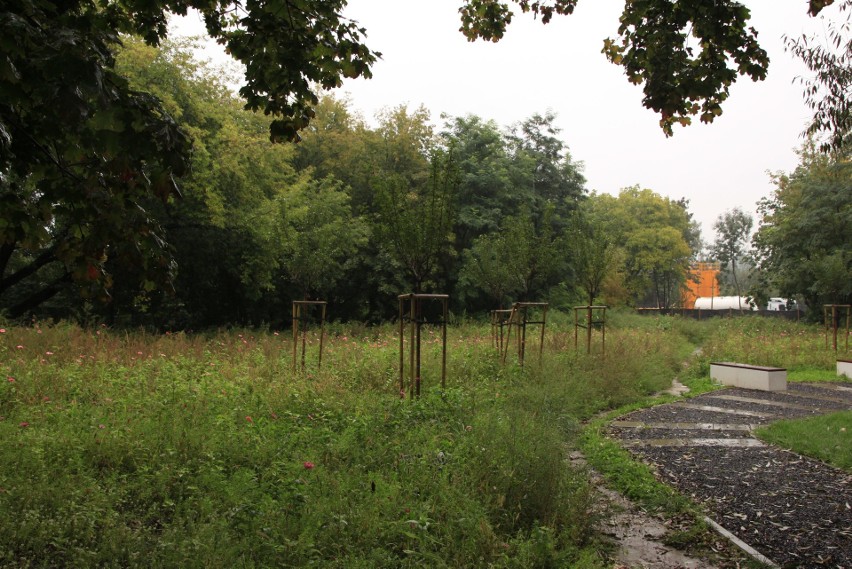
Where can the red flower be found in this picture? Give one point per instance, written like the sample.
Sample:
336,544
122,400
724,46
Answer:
308,465
249,419
23,424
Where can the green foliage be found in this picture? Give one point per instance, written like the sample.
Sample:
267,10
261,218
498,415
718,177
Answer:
632,479
594,255
486,267
657,238
687,55
82,153
828,58
83,156
733,229
415,222
826,438
488,177
200,450
767,341
804,241
320,235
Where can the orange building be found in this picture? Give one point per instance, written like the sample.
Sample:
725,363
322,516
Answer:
702,281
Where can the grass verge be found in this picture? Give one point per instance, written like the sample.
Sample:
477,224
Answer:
827,438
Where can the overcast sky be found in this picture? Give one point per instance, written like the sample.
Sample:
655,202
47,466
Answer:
559,67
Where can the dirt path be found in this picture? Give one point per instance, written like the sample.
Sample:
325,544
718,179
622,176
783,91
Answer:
638,535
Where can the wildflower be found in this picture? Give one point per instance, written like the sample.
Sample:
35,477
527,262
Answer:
102,426
20,347
48,353
273,414
2,330
308,465
138,353
10,379
402,394
23,424
249,419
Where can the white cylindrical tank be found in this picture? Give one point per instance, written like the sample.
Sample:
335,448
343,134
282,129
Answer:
724,303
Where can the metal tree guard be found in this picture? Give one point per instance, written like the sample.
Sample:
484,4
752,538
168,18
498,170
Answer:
519,319
831,314
300,325
414,317
499,320
591,312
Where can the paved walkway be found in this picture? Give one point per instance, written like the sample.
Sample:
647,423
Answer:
795,511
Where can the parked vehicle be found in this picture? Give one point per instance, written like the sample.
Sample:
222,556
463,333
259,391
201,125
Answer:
778,304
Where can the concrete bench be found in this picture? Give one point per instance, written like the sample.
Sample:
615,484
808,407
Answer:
844,367
749,376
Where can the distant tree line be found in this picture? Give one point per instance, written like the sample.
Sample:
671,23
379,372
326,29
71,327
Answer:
352,214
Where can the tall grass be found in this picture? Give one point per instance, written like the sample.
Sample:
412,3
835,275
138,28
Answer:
800,348
210,450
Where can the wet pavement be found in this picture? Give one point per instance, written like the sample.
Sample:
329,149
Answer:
795,511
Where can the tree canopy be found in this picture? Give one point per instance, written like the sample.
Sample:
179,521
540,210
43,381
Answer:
804,239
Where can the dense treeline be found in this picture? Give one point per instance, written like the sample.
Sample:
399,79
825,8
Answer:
356,215
353,214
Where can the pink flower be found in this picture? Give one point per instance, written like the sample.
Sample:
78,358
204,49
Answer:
48,353
2,330
308,465
23,424
10,379
20,347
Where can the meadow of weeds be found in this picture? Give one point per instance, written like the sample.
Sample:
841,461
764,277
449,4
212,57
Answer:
799,347
130,449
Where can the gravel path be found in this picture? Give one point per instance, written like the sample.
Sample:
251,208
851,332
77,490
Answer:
795,511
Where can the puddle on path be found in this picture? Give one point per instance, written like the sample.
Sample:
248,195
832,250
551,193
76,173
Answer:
757,414
684,426
766,402
737,443
638,535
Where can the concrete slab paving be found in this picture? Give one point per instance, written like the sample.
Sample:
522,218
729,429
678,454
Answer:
783,506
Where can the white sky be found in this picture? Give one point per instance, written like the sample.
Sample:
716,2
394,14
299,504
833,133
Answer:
559,67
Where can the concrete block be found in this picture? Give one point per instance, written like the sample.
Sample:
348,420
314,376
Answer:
749,377
844,367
